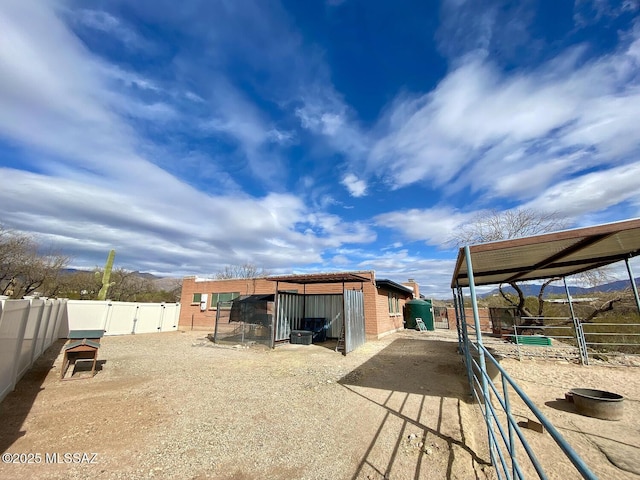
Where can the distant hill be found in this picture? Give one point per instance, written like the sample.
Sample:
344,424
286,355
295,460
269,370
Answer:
532,290
162,283
71,271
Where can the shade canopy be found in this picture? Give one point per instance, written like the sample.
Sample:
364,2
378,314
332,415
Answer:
335,277
557,254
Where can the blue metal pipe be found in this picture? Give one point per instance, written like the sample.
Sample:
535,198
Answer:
476,321
507,440
580,465
512,442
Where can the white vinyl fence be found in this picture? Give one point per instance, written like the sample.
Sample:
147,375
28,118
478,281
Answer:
29,327
120,318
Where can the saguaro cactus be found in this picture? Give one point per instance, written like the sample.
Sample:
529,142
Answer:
102,294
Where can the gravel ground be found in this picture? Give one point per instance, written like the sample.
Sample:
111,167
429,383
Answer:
173,405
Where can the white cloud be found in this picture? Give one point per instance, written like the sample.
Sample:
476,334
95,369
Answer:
355,186
600,189
234,115
513,135
340,260
324,113
588,12
333,231
434,226
98,190
433,275
499,27
115,27
128,78
187,232
281,137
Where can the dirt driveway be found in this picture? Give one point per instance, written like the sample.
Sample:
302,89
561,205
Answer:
172,405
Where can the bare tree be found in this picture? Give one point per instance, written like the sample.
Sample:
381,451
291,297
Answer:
175,291
23,269
13,252
246,270
128,286
79,285
496,225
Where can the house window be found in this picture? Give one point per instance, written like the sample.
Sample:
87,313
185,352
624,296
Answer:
394,303
223,297
197,298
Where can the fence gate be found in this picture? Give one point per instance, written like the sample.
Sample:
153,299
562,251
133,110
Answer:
440,318
353,320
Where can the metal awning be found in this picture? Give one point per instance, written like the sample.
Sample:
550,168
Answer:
391,285
335,277
557,254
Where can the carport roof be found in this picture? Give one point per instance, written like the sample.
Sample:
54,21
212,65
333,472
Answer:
334,277
556,254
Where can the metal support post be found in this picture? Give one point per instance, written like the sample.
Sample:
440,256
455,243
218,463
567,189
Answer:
483,366
215,330
582,346
515,337
633,283
276,317
460,339
465,339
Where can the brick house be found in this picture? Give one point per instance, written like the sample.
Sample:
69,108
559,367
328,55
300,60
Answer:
382,300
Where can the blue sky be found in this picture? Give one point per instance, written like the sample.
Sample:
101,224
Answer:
310,136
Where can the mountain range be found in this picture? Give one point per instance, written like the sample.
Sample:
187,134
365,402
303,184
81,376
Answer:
532,290
163,283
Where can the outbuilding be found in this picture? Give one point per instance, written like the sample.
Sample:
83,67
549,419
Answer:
353,303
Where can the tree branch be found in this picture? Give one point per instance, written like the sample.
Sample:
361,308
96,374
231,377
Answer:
605,307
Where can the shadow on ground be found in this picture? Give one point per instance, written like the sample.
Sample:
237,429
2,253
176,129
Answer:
421,385
16,406
562,405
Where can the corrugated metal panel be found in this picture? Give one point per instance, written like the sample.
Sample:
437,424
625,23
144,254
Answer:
354,319
328,307
289,315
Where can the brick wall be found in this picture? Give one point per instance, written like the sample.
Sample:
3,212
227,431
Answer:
190,314
485,319
411,283
370,310
388,323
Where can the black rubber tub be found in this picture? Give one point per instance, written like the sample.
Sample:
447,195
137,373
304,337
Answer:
598,403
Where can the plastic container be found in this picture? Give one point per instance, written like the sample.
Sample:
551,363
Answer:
418,309
301,337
